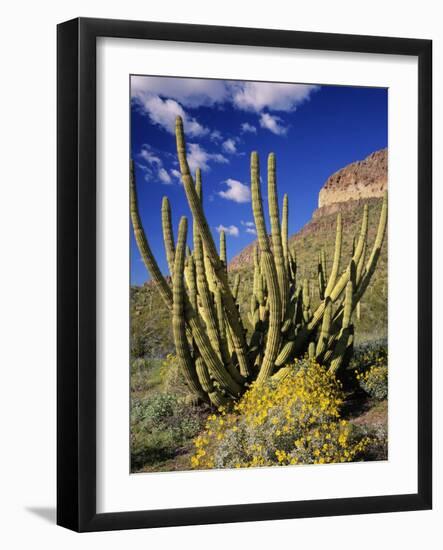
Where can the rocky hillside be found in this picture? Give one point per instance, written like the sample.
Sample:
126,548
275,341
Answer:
363,179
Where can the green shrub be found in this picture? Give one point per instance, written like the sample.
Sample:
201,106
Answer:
368,354
160,426
374,381
150,323
173,380
145,375
370,365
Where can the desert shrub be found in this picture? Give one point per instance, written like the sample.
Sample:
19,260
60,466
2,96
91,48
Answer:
173,380
377,437
293,421
160,425
374,381
150,338
151,334
370,365
368,354
145,374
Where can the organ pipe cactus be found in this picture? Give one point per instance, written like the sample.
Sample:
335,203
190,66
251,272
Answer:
269,271
218,360
178,315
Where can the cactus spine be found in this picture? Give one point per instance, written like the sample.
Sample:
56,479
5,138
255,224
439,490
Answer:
210,339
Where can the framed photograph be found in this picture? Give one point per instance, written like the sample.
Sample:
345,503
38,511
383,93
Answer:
244,319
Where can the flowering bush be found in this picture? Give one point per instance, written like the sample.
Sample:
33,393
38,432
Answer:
370,366
374,381
293,421
368,354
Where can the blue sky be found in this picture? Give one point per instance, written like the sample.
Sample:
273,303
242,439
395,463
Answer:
313,130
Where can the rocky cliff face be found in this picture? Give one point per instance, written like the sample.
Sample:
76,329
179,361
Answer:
360,180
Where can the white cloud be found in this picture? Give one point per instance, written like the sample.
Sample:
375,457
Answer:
190,92
249,227
176,173
149,156
229,146
246,127
216,136
200,158
164,112
164,176
237,191
272,123
197,92
256,96
153,166
231,230
164,98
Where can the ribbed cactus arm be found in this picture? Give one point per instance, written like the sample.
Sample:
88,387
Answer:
221,327
237,329
345,336
190,280
143,245
236,286
208,308
376,250
323,339
168,234
284,230
347,310
321,277
257,206
323,264
337,254
198,184
178,317
223,253
215,366
277,247
341,284
258,278
292,273
191,193
208,311
306,298
207,337
270,273
360,268
345,277
223,339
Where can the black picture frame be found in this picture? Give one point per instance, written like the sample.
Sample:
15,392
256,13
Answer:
76,278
